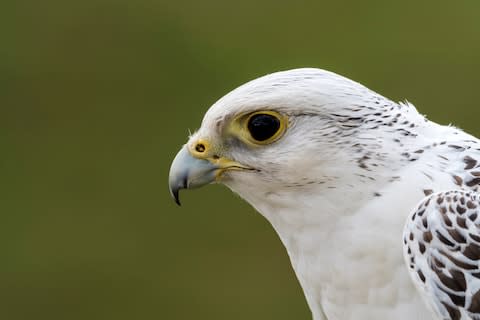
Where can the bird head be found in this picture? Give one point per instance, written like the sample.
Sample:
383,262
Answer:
289,130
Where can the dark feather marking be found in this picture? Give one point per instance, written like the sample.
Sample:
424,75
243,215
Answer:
457,236
461,210
462,222
450,208
474,237
443,239
428,176
453,312
424,222
458,180
446,219
455,283
459,148
428,200
427,236
421,247
459,279
473,182
471,205
471,163
456,299
459,263
475,304
472,251
438,263
420,275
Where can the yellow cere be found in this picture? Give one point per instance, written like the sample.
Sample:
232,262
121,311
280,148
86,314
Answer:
200,149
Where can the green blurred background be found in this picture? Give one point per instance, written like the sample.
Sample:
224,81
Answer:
96,97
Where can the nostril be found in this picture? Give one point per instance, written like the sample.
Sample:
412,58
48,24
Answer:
200,147
216,157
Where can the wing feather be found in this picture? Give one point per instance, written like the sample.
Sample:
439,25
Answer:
442,253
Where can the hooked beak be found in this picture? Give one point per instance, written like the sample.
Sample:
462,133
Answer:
188,172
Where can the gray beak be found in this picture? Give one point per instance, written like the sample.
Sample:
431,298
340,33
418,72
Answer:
187,172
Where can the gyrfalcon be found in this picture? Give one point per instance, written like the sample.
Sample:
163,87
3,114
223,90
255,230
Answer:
377,206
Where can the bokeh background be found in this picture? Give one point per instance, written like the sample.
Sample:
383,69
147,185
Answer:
97,96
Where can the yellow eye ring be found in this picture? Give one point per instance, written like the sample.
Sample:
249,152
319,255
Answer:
264,127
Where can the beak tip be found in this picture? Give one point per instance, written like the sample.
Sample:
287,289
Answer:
174,192
177,200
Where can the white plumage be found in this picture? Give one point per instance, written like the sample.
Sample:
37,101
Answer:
342,184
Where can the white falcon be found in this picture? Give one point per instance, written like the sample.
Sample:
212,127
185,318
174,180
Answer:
376,205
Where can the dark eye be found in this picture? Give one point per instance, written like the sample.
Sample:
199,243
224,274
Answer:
263,126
